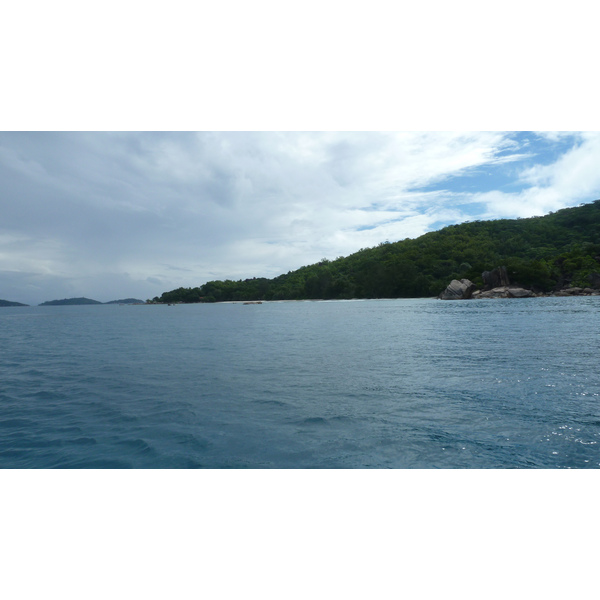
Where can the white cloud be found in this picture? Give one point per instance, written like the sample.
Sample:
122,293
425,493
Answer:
571,179
557,136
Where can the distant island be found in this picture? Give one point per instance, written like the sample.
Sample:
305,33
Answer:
82,301
127,301
8,303
69,302
559,251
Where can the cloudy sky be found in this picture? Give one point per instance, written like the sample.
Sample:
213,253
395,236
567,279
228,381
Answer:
113,215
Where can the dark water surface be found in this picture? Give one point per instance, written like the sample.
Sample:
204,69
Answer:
359,384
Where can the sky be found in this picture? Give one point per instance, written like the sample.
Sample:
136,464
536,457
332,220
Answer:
114,215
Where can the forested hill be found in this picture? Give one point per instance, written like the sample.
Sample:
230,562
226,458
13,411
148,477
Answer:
543,253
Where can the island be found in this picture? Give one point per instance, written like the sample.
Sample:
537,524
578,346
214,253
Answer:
127,301
9,303
84,301
70,302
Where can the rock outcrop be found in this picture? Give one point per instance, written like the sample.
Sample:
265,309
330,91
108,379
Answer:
518,292
504,291
571,291
497,285
498,277
458,290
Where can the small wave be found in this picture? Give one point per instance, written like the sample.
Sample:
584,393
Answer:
84,441
33,373
314,421
320,421
341,419
139,445
272,402
192,442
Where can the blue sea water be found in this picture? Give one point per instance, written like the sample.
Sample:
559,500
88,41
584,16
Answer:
349,384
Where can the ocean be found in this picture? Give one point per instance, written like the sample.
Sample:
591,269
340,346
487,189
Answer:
373,384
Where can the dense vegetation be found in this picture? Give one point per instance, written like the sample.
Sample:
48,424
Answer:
542,253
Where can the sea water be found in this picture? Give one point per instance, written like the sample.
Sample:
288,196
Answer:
403,383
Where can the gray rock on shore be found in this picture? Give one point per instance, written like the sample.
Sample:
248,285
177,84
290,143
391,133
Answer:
497,285
517,292
504,291
458,290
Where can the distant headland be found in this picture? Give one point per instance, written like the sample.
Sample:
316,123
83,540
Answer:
83,301
127,301
69,302
8,303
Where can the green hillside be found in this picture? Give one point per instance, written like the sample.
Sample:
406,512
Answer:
542,253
